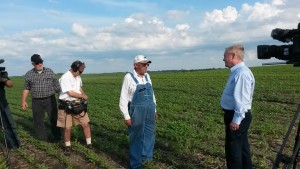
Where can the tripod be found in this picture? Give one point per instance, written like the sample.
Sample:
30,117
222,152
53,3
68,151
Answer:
289,161
7,152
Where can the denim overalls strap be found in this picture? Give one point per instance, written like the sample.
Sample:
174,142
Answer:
135,80
143,93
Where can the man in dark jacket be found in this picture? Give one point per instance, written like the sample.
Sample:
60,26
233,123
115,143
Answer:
7,121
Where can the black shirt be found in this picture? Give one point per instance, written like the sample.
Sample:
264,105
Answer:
3,100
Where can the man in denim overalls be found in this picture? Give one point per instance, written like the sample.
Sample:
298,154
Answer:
138,105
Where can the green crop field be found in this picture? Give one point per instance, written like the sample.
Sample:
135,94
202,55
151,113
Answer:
190,130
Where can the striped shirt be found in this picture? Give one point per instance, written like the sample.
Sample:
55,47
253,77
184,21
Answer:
41,85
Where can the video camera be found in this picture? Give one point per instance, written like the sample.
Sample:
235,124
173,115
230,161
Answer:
3,73
290,53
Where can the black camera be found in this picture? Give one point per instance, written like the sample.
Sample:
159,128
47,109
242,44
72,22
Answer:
290,53
3,73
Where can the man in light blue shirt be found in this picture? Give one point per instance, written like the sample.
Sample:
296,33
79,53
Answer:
236,102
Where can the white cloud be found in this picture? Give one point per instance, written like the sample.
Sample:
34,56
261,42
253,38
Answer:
37,40
133,21
43,32
79,29
278,2
259,11
156,21
250,55
146,33
182,27
227,15
250,23
183,30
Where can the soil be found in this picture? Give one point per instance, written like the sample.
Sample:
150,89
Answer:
16,160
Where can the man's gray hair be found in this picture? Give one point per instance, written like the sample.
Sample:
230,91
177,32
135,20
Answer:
237,49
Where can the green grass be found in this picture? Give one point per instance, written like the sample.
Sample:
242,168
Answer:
190,130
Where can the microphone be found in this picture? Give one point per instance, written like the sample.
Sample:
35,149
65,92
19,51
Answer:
1,61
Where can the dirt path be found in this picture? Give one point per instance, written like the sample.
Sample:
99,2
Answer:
29,156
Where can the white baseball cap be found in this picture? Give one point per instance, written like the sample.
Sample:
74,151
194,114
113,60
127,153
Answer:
141,59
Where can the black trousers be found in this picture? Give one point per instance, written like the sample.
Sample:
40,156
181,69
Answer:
9,128
236,142
39,107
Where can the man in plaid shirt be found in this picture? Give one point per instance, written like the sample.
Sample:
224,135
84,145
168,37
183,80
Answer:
42,85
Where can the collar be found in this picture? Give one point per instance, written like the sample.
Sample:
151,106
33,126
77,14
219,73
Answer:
71,73
37,71
235,67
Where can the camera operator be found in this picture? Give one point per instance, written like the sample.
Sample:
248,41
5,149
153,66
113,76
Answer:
7,122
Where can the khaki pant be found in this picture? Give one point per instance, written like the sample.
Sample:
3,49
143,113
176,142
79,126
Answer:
66,120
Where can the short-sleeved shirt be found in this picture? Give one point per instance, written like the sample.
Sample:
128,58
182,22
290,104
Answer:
68,82
41,85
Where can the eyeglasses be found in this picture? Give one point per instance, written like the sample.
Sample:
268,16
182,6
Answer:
145,64
35,63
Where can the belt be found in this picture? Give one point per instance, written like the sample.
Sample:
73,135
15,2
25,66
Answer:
43,98
60,100
63,101
68,101
232,111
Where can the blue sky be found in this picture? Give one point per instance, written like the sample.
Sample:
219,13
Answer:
107,34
